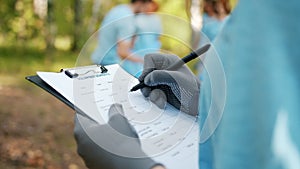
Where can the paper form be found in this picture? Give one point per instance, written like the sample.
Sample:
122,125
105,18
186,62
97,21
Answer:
167,135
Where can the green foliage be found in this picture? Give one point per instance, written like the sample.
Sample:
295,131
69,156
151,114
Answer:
19,23
18,62
63,17
172,7
7,12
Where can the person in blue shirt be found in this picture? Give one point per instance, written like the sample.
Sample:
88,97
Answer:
116,32
215,15
258,127
147,39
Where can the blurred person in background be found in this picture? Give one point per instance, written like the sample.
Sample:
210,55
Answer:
258,48
147,38
116,32
215,14
214,17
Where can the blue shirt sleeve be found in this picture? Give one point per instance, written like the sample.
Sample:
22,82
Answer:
117,25
126,28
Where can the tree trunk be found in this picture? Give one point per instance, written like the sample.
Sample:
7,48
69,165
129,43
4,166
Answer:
77,24
50,26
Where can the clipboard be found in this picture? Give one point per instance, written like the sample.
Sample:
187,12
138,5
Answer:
35,79
185,149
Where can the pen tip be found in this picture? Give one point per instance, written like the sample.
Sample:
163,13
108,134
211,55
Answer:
131,90
203,49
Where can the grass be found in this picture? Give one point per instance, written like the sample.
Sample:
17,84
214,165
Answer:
18,59
18,62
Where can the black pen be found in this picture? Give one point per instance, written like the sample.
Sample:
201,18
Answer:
178,64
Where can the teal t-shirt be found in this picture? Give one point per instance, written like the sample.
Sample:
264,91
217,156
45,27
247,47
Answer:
118,24
148,31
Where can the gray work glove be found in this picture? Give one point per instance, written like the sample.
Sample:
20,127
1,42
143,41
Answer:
178,87
97,144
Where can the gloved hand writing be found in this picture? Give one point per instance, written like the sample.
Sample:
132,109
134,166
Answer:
99,145
178,87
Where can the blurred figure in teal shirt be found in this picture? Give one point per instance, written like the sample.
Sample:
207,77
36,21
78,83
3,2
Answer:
116,33
259,49
147,38
215,15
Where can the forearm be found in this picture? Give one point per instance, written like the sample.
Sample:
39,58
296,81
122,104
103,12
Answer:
124,52
127,55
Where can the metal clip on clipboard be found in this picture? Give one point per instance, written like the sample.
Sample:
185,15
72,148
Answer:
102,69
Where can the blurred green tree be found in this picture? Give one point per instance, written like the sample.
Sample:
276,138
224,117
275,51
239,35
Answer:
19,21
